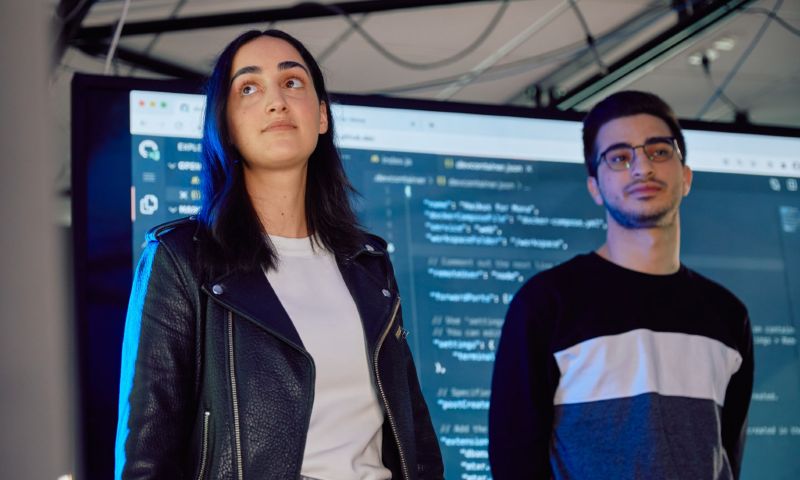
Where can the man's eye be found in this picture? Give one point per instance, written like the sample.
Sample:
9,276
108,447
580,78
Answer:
618,157
662,152
294,83
248,90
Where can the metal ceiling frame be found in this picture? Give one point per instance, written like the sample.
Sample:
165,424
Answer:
546,87
696,17
67,22
140,60
94,40
658,49
296,12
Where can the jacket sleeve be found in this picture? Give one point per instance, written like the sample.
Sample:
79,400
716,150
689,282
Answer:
523,385
429,456
737,402
157,374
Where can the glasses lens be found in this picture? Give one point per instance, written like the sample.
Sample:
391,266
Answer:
659,149
619,158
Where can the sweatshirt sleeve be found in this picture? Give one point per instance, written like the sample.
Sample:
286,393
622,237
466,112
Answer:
737,402
523,385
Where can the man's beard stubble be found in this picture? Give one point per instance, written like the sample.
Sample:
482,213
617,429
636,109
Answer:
663,217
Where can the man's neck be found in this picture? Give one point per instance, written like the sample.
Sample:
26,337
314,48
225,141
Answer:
648,250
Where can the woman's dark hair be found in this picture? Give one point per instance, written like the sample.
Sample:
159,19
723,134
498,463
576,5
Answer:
234,238
625,104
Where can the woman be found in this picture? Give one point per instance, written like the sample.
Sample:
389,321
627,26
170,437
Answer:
264,339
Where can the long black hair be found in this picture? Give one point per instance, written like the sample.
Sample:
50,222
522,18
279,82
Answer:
234,238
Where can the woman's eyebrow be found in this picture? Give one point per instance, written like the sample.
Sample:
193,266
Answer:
287,64
244,70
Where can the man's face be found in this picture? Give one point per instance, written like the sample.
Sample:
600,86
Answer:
648,194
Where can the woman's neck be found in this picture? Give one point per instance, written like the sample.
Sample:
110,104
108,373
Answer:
279,199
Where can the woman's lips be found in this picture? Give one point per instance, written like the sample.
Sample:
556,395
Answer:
280,125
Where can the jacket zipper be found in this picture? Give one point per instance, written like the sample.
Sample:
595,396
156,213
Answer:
204,452
236,431
383,394
231,310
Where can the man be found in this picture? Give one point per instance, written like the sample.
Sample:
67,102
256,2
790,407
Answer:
624,363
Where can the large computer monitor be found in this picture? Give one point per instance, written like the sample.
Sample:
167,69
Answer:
473,200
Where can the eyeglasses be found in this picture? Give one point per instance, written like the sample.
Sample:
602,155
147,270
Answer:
620,156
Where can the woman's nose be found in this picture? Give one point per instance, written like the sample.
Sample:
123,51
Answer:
275,102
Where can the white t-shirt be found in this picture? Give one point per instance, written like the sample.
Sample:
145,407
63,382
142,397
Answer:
345,434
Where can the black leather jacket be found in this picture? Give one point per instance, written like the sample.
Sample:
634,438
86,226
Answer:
216,383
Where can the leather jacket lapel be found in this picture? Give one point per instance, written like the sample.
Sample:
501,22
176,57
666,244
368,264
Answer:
373,299
250,295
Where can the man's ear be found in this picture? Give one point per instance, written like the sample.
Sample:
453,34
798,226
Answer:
687,179
323,117
594,190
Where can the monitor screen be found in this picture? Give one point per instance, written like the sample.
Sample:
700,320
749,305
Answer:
472,200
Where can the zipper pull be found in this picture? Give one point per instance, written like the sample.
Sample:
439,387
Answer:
401,333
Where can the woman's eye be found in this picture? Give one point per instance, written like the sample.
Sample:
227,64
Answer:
248,90
294,83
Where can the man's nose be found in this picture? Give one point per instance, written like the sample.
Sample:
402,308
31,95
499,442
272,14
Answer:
641,165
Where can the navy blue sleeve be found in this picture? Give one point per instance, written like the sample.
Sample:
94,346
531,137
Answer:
737,402
523,385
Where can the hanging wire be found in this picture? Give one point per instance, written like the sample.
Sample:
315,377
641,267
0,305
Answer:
72,13
589,38
338,41
115,41
416,65
499,71
706,65
157,36
704,109
783,23
512,68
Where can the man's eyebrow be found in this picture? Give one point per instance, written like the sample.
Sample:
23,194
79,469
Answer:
617,145
244,70
657,138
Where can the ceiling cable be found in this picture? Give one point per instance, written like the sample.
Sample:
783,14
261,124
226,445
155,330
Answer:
415,65
72,13
569,52
501,52
149,48
338,41
706,66
739,63
589,38
783,23
115,41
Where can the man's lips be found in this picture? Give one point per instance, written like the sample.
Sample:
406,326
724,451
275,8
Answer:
645,188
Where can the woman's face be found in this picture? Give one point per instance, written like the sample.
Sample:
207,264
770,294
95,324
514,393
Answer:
274,116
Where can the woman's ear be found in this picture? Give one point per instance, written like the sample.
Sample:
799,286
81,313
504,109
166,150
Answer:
323,117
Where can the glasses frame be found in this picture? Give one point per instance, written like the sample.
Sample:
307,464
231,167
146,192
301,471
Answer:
650,141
